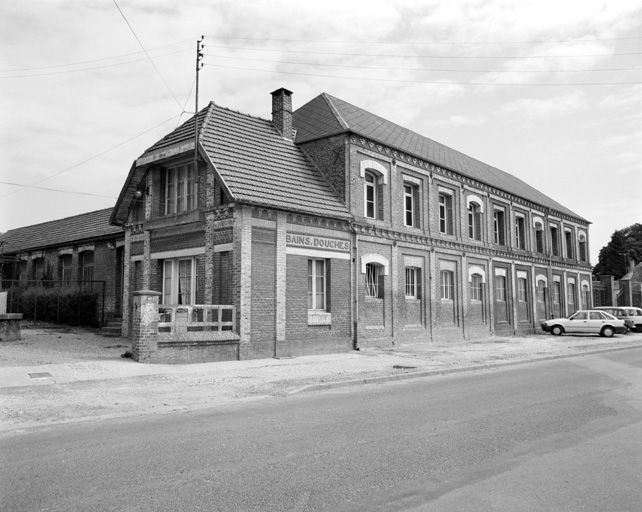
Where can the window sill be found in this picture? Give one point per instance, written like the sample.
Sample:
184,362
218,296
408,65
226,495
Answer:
317,317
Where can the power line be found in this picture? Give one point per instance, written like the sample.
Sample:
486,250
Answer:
399,43
450,82
388,68
415,56
92,68
55,189
93,157
78,63
147,54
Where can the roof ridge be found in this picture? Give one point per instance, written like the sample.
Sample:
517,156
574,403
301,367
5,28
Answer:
57,220
239,112
328,99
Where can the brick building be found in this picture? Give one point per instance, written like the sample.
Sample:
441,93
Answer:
79,251
331,228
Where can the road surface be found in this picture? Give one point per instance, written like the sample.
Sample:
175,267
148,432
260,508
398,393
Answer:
559,435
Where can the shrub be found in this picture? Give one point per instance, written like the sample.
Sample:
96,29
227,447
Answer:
71,306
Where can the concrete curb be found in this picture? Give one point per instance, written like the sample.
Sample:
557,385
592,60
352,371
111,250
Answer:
446,371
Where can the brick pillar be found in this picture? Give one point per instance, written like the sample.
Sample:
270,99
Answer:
144,334
281,272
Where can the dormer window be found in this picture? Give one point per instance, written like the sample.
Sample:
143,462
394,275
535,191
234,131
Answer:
180,187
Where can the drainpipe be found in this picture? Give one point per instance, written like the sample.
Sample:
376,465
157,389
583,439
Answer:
355,288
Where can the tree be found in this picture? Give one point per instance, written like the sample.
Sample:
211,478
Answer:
625,245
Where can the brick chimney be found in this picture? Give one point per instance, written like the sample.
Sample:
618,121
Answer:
282,112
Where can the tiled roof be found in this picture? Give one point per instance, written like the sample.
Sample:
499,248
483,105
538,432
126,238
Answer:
326,115
255,162
259,166
81,227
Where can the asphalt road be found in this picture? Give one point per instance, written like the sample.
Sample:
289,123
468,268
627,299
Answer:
562,435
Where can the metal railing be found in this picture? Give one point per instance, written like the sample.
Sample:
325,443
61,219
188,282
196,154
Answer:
195,318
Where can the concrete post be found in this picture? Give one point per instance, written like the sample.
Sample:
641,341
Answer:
144,333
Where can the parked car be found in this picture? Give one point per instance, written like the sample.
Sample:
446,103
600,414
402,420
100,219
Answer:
636,315
586,322
621,313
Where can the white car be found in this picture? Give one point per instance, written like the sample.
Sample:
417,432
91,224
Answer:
586,322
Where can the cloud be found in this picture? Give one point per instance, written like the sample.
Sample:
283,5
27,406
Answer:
541,109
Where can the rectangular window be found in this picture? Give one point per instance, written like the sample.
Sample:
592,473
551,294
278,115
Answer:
474,221
86,267
445,213
411,205
476,291
316,284
522,289
555,248
374,281
539,240
582,249
179,278
520,233
65,269
39,269
447,281
180,188
570,294
568,236
413,283
500,288
557,292
541,291
499,228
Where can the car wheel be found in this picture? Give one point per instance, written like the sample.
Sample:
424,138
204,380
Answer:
607,332
557,330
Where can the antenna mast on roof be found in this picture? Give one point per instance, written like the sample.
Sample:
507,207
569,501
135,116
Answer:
199,65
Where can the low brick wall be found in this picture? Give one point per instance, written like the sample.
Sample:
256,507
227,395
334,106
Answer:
182,352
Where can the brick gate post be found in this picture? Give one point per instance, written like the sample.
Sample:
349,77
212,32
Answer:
144,333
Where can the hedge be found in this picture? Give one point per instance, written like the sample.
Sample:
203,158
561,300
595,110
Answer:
57,305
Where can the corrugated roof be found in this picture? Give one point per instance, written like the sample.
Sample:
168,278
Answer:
326,115
59,232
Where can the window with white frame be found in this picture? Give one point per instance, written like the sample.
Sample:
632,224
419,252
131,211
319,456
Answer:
557,292
179,281
86,267
373,195
411,205
499,226
568,238
500,288
476,287
446,213
554,240
64,263
180,188
522,289
539,237
570,293
374,280
582,246
413,283
474,221
317,284
520,232
447,284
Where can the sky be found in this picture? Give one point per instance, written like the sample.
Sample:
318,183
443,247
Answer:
547,90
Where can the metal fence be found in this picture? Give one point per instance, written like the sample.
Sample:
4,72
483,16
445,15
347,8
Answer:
62,302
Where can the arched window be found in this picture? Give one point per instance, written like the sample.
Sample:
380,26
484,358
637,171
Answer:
86,268
373,196
541,291
586,295
538,226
